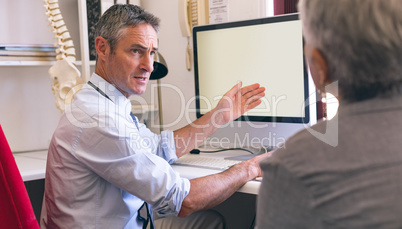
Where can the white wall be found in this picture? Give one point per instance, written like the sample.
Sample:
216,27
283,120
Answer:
28,114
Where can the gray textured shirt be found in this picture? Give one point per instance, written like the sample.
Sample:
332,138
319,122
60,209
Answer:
350,176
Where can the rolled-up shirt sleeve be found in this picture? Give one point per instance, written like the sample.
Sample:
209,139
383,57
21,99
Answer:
134,160
162,145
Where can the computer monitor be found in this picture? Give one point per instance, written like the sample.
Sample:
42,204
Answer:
268,51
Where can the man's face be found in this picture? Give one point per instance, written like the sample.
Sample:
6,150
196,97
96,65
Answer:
128,68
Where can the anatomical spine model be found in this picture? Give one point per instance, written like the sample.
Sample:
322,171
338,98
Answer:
66,80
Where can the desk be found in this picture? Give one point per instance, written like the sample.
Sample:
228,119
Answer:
240,208
190,172
32,166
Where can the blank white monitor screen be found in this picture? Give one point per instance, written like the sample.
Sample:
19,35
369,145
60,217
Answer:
268,51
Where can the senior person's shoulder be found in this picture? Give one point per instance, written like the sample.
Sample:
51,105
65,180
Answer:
302,149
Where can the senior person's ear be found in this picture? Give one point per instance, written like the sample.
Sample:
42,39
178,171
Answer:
318,67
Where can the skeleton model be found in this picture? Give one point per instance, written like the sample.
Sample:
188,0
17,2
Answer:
66,80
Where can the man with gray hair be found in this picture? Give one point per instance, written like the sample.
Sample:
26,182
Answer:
104,167
354,50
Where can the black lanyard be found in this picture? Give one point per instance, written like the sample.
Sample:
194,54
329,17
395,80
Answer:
148,219
98,90
104,94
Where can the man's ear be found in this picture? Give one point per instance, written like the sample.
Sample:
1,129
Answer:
102,47
320,68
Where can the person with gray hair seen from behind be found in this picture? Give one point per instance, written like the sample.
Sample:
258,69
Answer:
107,170
349,175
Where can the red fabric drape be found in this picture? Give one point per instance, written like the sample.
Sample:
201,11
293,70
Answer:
285,6
16,209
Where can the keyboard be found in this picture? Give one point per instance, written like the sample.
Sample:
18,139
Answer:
205,162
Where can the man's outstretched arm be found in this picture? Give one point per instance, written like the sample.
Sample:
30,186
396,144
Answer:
233,104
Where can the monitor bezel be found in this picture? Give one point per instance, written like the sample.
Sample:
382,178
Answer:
266,20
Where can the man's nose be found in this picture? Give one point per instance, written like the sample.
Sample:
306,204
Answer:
147,63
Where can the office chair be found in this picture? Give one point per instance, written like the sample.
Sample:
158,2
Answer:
16,209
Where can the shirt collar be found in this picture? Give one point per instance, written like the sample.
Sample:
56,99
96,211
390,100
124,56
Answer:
111,91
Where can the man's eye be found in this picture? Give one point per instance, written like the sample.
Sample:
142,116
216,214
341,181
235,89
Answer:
136,51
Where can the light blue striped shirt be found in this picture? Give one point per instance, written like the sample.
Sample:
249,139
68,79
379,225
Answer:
101,168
